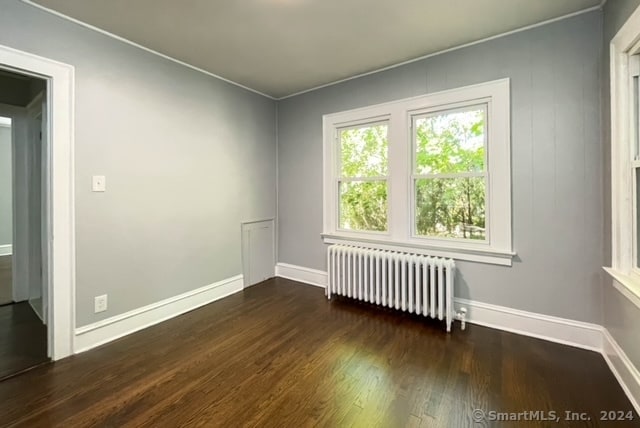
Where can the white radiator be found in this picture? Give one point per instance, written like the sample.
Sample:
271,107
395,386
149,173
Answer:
409,282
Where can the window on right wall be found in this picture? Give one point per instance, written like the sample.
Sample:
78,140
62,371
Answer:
634,69
625,158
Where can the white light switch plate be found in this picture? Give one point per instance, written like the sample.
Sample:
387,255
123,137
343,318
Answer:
99,183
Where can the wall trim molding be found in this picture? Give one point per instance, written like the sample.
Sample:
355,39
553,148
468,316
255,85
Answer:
623,369
6,250
553,329
578,334
315,88
302,274
444,51
139,46
107,330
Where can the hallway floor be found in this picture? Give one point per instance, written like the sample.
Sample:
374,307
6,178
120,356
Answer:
23,339
6,294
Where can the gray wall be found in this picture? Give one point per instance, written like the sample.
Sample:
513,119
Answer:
556,162
187,157
6,194
621,317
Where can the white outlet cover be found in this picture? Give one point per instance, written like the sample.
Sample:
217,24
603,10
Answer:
100,303
99,183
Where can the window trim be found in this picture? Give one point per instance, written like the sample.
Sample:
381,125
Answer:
497,248
623,46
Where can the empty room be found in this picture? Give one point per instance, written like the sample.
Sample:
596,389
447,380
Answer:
286,213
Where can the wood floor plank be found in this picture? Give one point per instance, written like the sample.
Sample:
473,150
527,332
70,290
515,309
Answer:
23,339
279,354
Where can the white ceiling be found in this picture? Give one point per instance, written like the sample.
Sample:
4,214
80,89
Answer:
280,47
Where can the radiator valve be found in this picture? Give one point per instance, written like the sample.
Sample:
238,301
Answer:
461,315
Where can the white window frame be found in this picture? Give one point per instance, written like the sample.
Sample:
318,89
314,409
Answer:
497,247
623,269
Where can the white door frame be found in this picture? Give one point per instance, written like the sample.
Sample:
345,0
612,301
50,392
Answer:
61,221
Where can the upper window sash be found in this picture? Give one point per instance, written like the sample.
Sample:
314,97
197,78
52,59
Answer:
338,159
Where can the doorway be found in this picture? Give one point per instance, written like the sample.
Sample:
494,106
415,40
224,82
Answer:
59,236
23,222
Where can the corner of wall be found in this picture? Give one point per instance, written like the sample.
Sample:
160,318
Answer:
277,220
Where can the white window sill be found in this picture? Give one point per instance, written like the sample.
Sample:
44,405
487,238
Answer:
481,255
625,284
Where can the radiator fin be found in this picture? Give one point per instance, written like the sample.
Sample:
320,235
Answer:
404,281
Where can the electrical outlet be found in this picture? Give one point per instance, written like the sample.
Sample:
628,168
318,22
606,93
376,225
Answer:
100,303
99,183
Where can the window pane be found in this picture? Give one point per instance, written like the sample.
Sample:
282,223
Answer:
450,142
637,198
363,151
363,205
636,118
451,207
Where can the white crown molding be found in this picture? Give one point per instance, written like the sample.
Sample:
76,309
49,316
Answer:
101,332
139,46
444,51
315,88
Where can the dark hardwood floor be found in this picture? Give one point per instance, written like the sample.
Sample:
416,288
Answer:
280,355
23,339
6,292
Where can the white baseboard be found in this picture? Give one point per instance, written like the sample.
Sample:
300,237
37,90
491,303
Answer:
567,332
105,331
623,369
560,330
553,329
302,274
6,250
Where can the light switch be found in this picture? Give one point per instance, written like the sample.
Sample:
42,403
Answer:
99,183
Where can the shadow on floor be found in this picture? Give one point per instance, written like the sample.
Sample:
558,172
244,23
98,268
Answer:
23,339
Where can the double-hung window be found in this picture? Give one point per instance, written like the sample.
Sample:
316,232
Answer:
625,158
362,178
634,153
429,174
449,175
